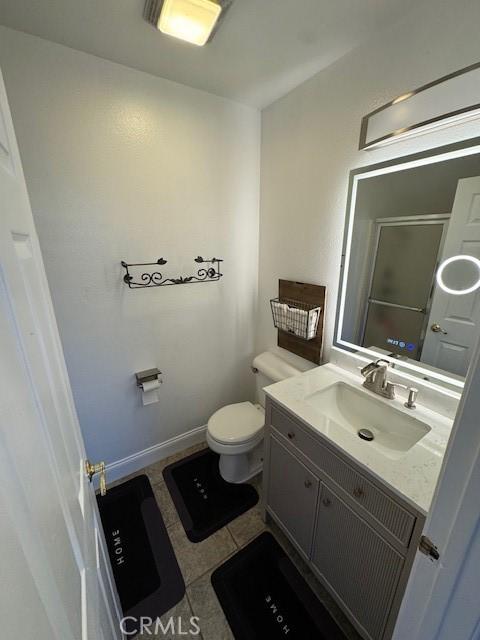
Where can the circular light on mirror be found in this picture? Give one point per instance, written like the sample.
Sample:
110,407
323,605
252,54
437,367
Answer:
456,259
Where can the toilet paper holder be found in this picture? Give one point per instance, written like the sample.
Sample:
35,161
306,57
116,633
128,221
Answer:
147,376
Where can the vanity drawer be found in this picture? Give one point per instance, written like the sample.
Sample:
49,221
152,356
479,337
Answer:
291,430
389,513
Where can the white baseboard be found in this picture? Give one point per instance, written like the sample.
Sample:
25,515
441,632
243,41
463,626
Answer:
130,464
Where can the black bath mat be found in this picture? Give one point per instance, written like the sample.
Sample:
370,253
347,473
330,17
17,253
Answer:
264,596
146,572
204,501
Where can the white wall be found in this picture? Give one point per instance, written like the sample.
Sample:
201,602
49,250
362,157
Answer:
310,143
123,165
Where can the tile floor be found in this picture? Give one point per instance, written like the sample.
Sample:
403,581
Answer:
198,561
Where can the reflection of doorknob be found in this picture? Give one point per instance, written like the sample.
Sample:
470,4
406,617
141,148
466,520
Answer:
436,328
92,469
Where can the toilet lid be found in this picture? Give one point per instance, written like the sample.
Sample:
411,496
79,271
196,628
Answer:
236,423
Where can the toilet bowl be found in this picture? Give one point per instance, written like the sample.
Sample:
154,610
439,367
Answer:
236,430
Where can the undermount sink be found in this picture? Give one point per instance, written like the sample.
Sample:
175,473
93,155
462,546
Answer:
347,408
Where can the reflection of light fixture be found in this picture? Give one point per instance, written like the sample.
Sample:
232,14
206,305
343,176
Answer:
194,21
458,292
405,96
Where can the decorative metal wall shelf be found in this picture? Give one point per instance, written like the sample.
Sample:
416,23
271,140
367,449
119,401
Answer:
154,278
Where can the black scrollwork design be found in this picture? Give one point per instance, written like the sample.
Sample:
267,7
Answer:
156,279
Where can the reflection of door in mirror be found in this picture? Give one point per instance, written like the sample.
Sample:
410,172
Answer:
405,258
454,320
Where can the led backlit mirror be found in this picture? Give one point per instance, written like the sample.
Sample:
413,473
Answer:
410,282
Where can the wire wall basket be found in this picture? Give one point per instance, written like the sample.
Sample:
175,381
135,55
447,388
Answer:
295,317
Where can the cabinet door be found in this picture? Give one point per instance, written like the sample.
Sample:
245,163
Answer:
361,568
292,494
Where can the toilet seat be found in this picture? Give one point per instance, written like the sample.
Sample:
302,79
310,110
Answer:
236,423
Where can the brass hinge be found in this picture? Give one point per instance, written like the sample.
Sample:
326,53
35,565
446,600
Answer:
427,547
92,470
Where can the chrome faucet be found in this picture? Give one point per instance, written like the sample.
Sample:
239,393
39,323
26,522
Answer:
375,374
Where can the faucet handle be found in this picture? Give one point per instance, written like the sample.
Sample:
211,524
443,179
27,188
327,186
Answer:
390,388
399,384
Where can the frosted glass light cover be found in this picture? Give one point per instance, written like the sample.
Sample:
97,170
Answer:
190,20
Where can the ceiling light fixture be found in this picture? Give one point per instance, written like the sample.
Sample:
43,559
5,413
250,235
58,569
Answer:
194,21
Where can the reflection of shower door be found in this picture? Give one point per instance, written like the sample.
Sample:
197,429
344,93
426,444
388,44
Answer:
406,256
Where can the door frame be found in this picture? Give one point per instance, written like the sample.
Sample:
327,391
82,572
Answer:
431,592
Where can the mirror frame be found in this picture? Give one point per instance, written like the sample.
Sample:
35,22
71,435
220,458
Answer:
437,154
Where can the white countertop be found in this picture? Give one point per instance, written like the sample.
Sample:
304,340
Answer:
413,475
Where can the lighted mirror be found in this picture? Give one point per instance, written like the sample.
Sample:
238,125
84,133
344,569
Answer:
410,281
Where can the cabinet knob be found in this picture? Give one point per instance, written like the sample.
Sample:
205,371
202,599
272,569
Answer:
326,502
358,492
290,435
308,484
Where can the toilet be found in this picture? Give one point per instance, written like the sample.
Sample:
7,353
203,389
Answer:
236,430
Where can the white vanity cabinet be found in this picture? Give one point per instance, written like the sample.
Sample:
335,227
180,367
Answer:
358,537
358,565
293,494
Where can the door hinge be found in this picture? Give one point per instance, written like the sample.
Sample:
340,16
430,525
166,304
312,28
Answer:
92,470
427,547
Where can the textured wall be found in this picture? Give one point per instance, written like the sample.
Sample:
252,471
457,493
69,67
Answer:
310,143
123,165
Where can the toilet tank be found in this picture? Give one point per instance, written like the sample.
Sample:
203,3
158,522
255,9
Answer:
271,368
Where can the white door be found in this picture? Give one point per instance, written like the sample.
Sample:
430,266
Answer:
56,582
449,346
442,600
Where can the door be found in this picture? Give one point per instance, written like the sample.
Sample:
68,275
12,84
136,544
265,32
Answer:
442,600
401,283
56,580
360,567
450,345
292,494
